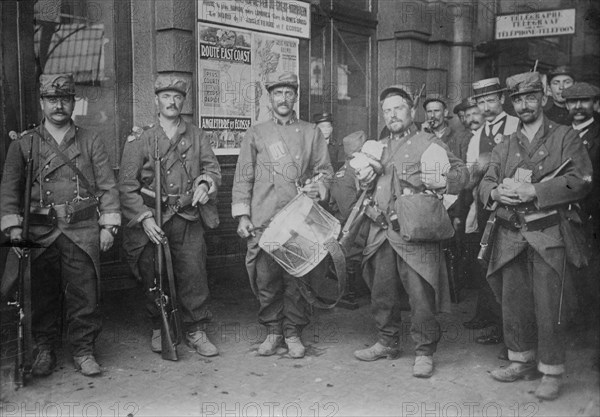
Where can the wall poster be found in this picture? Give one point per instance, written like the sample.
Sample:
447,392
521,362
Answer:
233,64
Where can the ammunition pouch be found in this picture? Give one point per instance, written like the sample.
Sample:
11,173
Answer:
175,201
526,217
80,210
42,216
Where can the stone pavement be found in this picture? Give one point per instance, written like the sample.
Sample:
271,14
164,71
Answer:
327,382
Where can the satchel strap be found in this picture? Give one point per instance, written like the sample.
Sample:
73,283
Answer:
84,181
339,262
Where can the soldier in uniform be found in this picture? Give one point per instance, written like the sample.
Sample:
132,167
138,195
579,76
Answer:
190,178
70,166
437,115
534,250
580,99
335,148
558,78
276,154
389,260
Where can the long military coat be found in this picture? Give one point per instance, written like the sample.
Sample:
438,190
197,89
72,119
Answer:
54,182
551,146
272,158
424,257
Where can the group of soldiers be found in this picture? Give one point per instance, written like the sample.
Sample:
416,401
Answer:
529,175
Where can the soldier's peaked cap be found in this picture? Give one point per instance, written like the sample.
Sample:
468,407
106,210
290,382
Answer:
57,85
560,70
286,79
488,86
581,90
526,82
165,82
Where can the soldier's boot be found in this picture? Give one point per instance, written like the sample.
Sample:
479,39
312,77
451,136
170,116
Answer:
44,363
295,347
156,341
515,371
378,351
549,388
270,344
423,367
87,365
199,341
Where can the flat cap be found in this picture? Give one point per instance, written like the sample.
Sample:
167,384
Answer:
487,86
57,85
323,117
285,79
581,90
464,105
434,97
166,82
354,142
560,70
526,82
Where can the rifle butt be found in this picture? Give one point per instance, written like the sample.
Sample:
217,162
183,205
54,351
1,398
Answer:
168,349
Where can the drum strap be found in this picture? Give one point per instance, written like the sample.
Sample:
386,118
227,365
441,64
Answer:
339,262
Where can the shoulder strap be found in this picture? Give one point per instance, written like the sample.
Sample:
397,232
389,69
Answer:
84,181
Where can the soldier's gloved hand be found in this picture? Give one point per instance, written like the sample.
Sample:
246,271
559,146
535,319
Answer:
106,240
153,231
200,195
245,227
16,235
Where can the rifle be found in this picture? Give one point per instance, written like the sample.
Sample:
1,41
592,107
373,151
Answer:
24,357
355,221
169,338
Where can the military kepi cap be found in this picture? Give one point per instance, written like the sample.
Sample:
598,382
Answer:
285,79
526,82
560,70
581,90
323,117
488,86
57,85
397,89
166,82
353,142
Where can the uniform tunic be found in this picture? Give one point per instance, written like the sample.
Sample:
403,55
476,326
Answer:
272,158
55,183
419,266
184,167
526,267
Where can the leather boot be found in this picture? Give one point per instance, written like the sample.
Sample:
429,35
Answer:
515,371
378,351
423,367
549,388
156,341
44,363
269,346
295,347
199,341
87,365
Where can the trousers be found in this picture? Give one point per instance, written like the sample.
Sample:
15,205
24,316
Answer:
390,274
188,251
64,269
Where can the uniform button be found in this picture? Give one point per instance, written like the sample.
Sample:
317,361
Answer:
187,193
517,154
297,156
46,179
406,156
48,192
404,172
73,178
47,166
183,142
379,188
168,172
408,142
171,185
540,167
183,156
541,152
75,192
189,181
